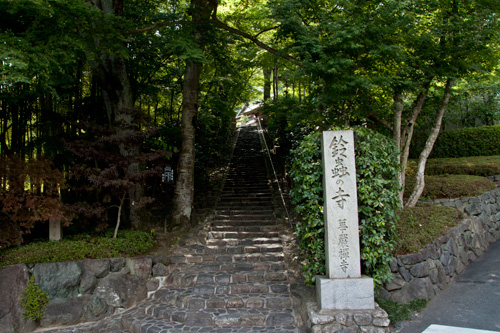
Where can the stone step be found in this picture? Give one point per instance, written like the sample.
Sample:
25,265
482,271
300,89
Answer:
244,217
254,186
166,319
190,301
239,222
244,201
245,228
239,249
225,258
229,267
265,205
257,185
264,211
241,234
237,195
237,241
180,279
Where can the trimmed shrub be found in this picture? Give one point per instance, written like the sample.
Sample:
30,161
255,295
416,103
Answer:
477,166
473,141
376,174
128,243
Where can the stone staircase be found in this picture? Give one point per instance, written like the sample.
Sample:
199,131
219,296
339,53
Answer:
237,281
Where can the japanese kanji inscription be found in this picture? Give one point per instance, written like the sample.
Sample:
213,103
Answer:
341,207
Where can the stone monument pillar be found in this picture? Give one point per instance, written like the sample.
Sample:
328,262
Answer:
343,288
55,229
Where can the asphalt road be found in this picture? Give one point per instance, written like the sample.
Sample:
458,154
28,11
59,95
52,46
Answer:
472,301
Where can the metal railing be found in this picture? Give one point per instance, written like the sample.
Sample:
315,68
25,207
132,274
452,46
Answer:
264,143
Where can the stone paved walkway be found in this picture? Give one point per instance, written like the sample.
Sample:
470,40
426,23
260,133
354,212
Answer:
238,281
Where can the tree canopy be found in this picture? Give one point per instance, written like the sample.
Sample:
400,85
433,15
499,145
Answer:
155,83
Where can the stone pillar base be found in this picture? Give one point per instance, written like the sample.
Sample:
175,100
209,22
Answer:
345,294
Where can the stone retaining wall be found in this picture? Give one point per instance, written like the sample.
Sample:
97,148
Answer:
79,291
422,275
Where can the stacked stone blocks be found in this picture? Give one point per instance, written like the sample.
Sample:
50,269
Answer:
422,275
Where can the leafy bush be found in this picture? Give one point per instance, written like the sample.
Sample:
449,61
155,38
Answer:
378,203
34,301
307,196
473,141
128,243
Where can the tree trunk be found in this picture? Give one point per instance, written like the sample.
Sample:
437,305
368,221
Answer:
112,74
118,218
184,186
267,83
275,82
398,113
407,134
424,155
201,11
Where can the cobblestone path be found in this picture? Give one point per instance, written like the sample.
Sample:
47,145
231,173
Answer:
238,281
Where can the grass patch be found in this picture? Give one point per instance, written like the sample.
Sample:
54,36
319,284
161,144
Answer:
419,226
451,186
129,243
398,312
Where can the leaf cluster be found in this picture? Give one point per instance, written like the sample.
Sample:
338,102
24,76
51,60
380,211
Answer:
34,301
30,191
102,160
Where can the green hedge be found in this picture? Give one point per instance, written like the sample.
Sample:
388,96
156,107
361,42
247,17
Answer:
473,141
378,188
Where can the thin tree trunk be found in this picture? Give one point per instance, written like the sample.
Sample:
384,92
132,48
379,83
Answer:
407,134
424,155
275,81
398,113
267,82
118,218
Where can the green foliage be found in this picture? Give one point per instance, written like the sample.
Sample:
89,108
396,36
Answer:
378,203
475,141
376,160
288,121
398,312
128,243
307,197
34,301
421,225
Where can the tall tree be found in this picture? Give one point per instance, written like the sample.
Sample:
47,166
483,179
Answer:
201,11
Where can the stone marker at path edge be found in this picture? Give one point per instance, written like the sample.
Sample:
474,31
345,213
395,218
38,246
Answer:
343,288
